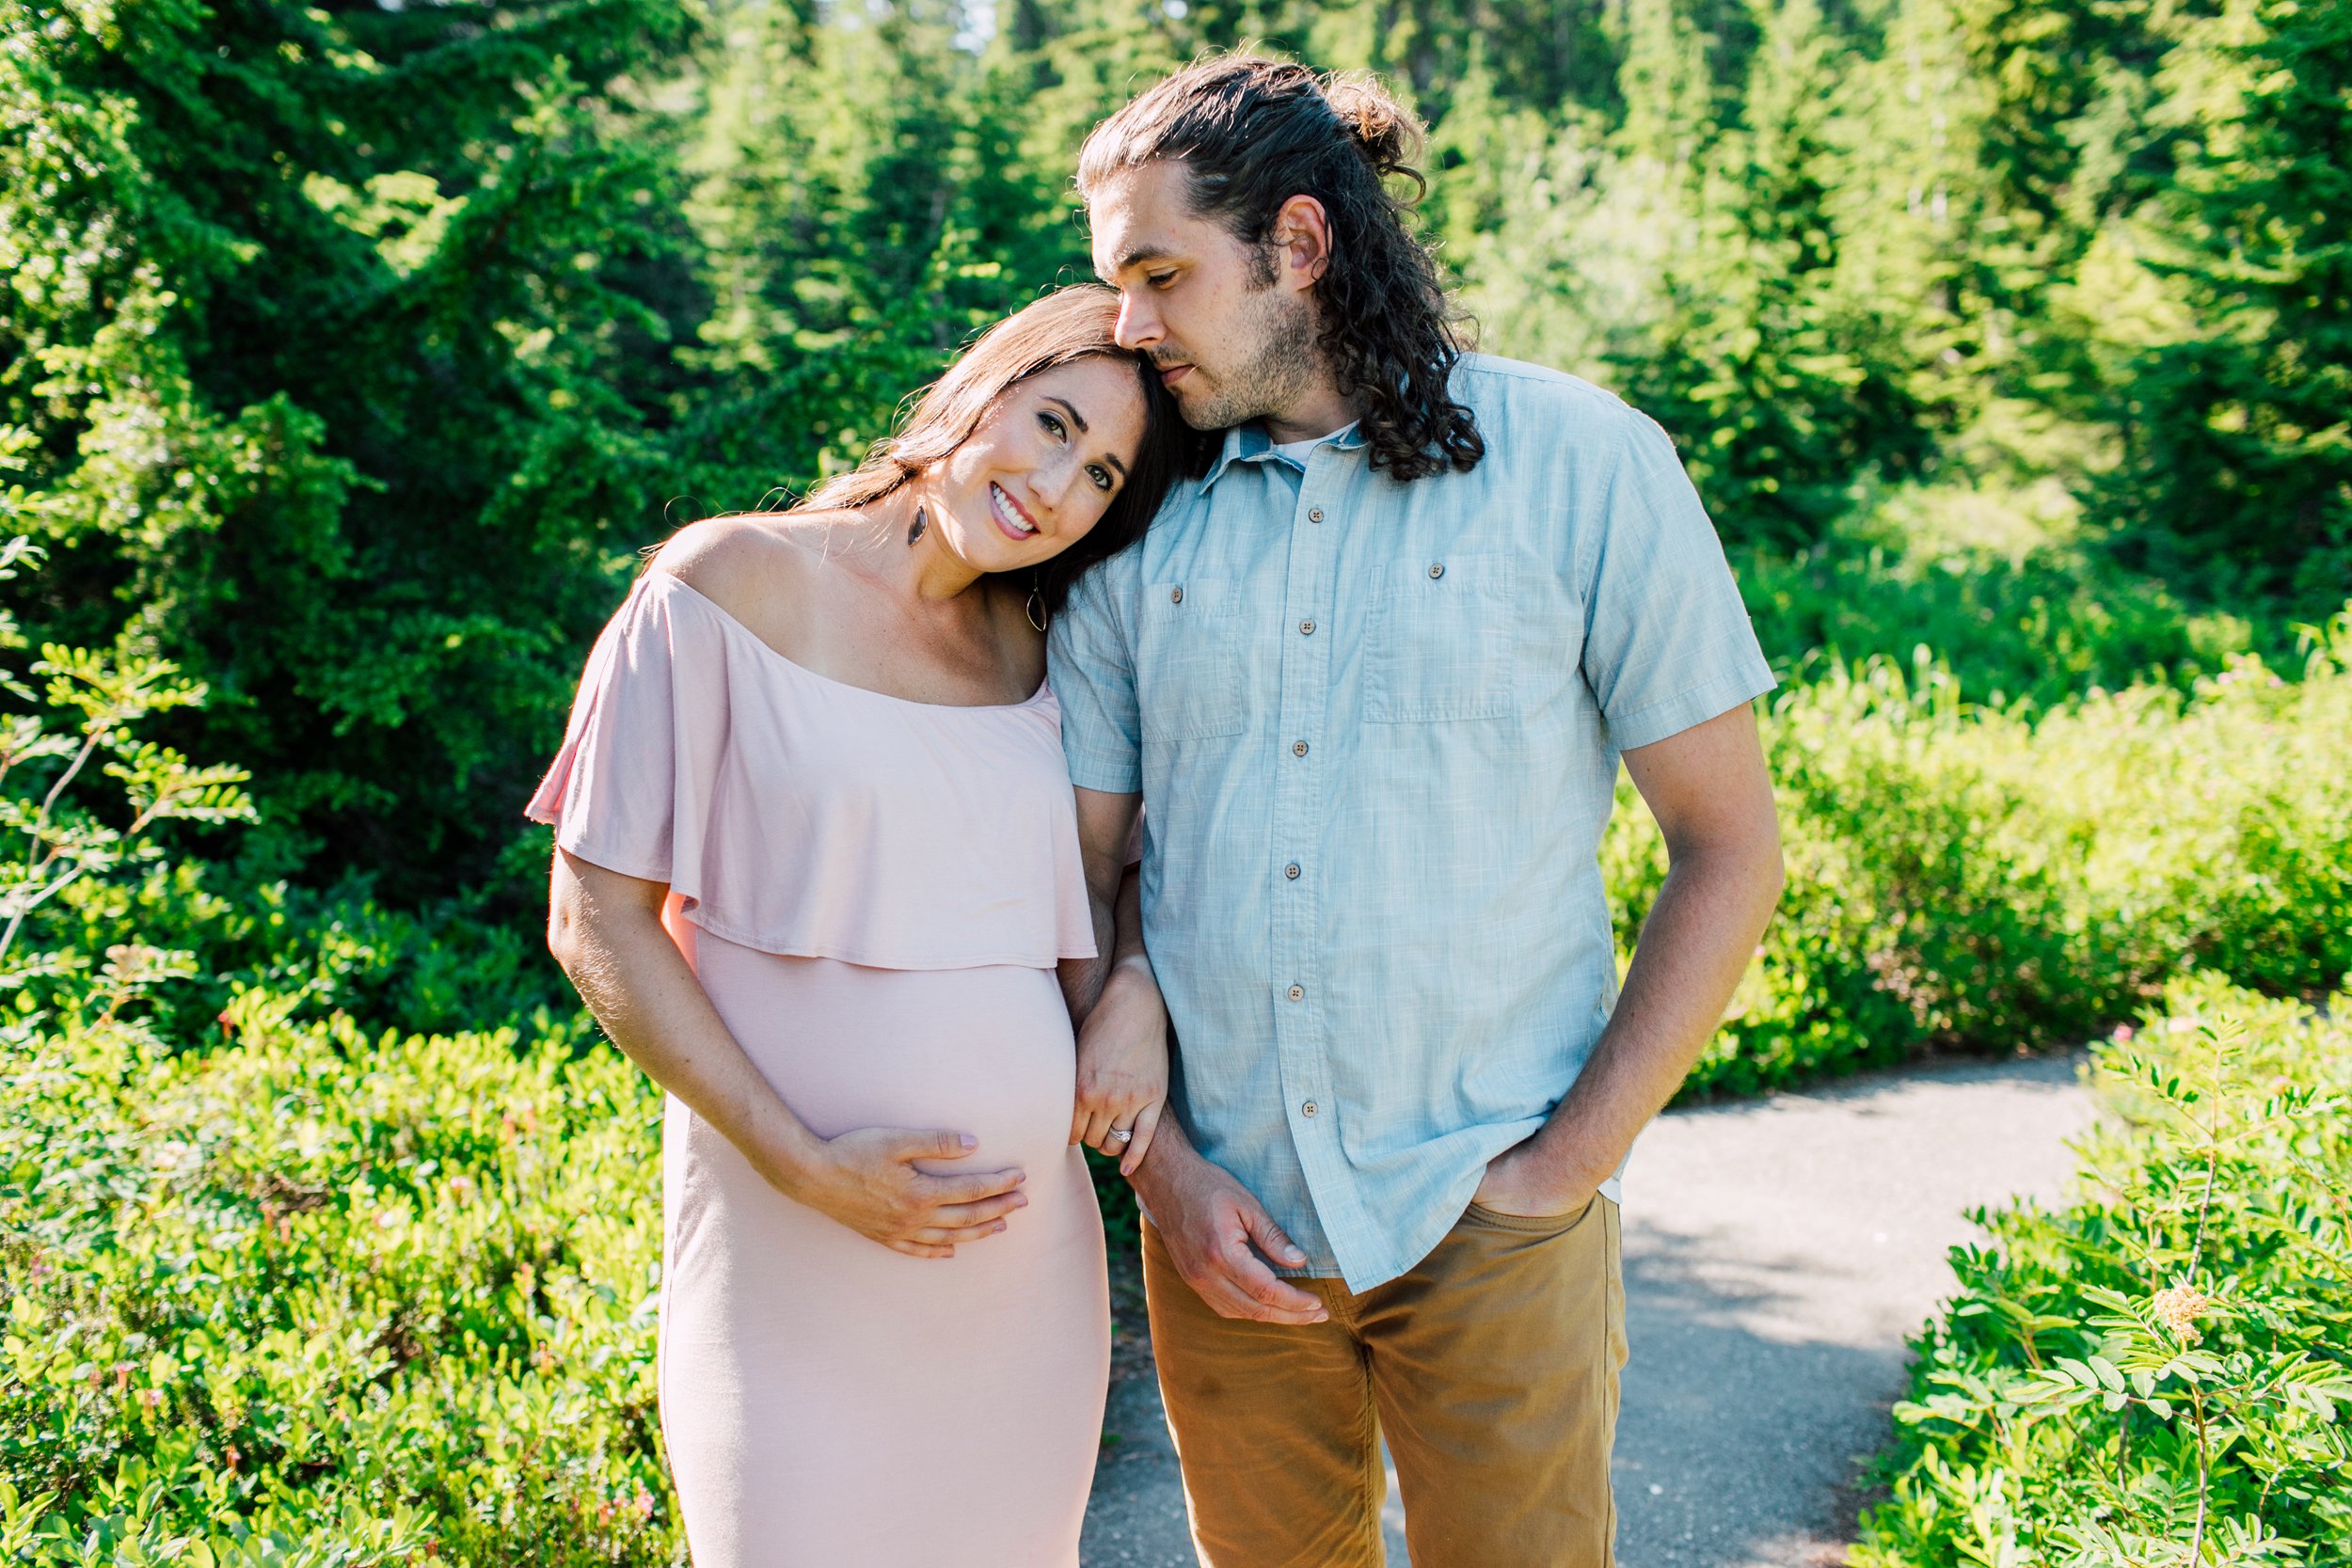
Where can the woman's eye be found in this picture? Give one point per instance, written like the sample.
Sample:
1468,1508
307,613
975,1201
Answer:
1102,476
1053,424
1159,280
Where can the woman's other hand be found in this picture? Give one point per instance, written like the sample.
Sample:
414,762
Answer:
1122,1067
866,1180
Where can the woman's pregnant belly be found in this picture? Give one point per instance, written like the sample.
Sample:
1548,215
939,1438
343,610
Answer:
985,1052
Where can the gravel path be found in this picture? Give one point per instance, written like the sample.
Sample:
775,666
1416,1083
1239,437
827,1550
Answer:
1777,1253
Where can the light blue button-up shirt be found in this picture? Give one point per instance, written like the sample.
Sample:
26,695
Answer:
1376,726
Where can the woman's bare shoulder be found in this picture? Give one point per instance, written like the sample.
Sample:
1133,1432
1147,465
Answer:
748,564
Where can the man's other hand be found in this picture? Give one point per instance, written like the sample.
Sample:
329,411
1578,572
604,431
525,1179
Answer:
1520,1183
1219,1237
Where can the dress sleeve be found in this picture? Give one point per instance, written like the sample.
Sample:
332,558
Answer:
610,794
1667,643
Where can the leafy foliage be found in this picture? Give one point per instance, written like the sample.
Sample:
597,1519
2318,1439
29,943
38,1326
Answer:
316,1297
317,321
1964,876
50,844
2159,1372
2238,456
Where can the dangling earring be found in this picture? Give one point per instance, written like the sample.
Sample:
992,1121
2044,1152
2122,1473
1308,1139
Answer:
915,530
1036,607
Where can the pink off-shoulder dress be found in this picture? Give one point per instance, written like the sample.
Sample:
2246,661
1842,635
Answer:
873,891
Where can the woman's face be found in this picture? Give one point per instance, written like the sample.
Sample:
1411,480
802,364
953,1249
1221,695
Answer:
1042,466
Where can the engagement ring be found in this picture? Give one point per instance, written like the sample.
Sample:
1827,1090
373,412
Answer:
1121,1134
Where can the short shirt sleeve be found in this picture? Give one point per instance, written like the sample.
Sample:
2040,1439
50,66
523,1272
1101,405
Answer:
1093,669
1668,642
610,792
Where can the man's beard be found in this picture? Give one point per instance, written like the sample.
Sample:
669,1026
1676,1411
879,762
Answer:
1272,380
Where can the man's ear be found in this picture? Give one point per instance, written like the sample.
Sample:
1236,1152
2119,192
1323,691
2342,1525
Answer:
1302,240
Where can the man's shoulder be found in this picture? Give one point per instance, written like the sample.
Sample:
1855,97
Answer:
1514,384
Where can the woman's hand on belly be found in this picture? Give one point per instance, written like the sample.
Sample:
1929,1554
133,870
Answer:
866,1180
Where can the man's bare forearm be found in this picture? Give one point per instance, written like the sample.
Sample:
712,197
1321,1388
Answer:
1171,1151
1118,940
1697,942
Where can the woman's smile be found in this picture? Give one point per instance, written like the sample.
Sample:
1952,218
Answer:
1011,515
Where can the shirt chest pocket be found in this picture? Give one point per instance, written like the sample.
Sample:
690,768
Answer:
1439,641
1189,664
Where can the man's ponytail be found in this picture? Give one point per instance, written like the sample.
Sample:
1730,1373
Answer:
1384,132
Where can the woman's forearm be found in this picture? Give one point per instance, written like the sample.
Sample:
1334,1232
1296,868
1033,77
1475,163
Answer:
606,931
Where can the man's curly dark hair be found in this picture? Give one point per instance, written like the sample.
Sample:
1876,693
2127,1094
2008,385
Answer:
1253,132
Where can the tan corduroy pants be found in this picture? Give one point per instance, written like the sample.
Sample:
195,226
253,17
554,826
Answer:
1491,1367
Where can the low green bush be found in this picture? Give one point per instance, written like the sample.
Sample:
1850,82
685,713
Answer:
1974,878
2159,1372
321,1298
277,1288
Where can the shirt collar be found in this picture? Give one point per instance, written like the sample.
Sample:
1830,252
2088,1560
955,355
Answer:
1250,443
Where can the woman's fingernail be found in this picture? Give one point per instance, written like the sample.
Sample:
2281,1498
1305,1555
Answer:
970,1142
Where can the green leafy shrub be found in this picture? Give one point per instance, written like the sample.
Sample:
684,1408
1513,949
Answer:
55,853
318,1295
2161,1371
363,1296
1974,878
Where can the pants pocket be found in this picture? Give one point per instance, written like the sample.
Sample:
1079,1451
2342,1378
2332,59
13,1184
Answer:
1530,1224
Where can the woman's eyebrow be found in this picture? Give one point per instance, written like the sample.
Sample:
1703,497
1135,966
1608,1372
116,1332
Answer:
1080,421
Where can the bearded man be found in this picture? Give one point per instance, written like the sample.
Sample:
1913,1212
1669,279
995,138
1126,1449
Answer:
1370,679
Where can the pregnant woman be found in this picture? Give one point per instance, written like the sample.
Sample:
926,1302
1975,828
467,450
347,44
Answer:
816,865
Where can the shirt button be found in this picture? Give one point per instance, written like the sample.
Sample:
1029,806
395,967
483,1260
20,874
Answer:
1306,629
1176,596
1437,569
1314,514
1291,871
1298,748
1308,1109
1298,993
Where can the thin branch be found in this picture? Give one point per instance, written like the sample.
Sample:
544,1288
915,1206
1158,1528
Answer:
17,919
98,733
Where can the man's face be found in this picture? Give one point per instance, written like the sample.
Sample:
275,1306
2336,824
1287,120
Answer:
1230,327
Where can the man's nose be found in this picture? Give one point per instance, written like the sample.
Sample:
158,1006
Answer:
1139,323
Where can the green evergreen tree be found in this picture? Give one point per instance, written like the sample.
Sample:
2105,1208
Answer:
1780,388
2237,476
319,374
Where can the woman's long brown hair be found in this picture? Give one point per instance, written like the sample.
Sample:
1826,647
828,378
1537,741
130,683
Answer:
1063,329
